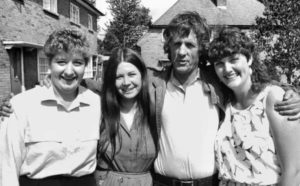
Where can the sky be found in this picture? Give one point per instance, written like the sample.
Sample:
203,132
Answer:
157,8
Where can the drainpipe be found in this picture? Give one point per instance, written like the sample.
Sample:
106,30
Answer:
22,70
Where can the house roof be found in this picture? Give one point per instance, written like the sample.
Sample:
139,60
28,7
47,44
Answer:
236,13
90,6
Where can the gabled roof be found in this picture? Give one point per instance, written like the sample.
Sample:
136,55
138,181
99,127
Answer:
90,6
237,12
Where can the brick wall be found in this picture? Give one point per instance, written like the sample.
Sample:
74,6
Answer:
151,54
5,84
63,7
30,23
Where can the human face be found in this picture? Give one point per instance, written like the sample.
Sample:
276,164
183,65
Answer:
67,70
234,71
184,54
128,81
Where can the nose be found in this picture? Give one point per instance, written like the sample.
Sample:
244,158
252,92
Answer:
126,81
227,67
69,70
182,50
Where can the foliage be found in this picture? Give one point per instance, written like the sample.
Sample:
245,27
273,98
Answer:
129,23
278,34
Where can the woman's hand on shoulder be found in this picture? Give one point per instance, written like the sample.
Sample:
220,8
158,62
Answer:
5,107
46,81
290,105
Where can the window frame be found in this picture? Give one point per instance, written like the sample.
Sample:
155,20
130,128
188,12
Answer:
43,65
75,19
50,5
89,70
90,22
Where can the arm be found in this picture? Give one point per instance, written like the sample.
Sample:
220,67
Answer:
290,104
12,150
5,107
93,85
286,136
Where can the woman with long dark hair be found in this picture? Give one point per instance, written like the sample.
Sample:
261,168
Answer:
126,148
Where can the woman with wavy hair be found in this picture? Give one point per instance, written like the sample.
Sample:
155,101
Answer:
254,145
127,146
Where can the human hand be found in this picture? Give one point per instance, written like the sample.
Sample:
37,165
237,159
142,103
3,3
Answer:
46,81
100,177
5,107
289,106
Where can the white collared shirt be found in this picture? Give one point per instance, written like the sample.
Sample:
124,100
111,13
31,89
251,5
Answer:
189,126
41,138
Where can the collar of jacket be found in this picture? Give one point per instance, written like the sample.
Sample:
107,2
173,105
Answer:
211,86
209,83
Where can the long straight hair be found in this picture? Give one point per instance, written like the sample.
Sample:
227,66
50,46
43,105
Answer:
111,100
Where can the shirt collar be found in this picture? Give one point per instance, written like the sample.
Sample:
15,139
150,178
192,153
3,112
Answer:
48,95
199,77
175,82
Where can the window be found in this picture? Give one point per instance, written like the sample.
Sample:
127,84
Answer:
50,5
88,73
90,22
74,14
43,68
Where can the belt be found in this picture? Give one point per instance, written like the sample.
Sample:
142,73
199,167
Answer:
59,180
169,181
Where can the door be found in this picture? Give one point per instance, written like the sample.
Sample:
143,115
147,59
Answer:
30,67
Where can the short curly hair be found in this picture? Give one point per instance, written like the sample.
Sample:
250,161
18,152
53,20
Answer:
181,25
231,41
66,40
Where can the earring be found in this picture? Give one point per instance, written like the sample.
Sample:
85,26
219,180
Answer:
250,71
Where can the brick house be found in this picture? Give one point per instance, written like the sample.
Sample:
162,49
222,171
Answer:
239,13
24,28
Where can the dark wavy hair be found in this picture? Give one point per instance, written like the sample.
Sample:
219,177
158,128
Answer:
232,41
111,100
66,40
181,26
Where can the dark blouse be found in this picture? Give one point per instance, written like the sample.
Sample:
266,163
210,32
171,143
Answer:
136,154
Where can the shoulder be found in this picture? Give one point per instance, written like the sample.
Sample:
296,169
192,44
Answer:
28,96
89,95
221,91
157,72
274,94
24,101
158,76
93,85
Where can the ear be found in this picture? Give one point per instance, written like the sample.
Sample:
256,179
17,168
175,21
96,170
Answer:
250,61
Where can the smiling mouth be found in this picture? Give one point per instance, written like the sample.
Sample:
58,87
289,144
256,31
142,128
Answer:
127,91
231,76
69,79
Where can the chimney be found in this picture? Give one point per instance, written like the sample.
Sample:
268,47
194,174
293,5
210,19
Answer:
220,3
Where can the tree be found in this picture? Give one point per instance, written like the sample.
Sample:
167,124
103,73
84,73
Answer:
279,34
129,23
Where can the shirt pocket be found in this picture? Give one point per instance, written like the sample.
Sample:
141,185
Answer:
45,147
42,140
